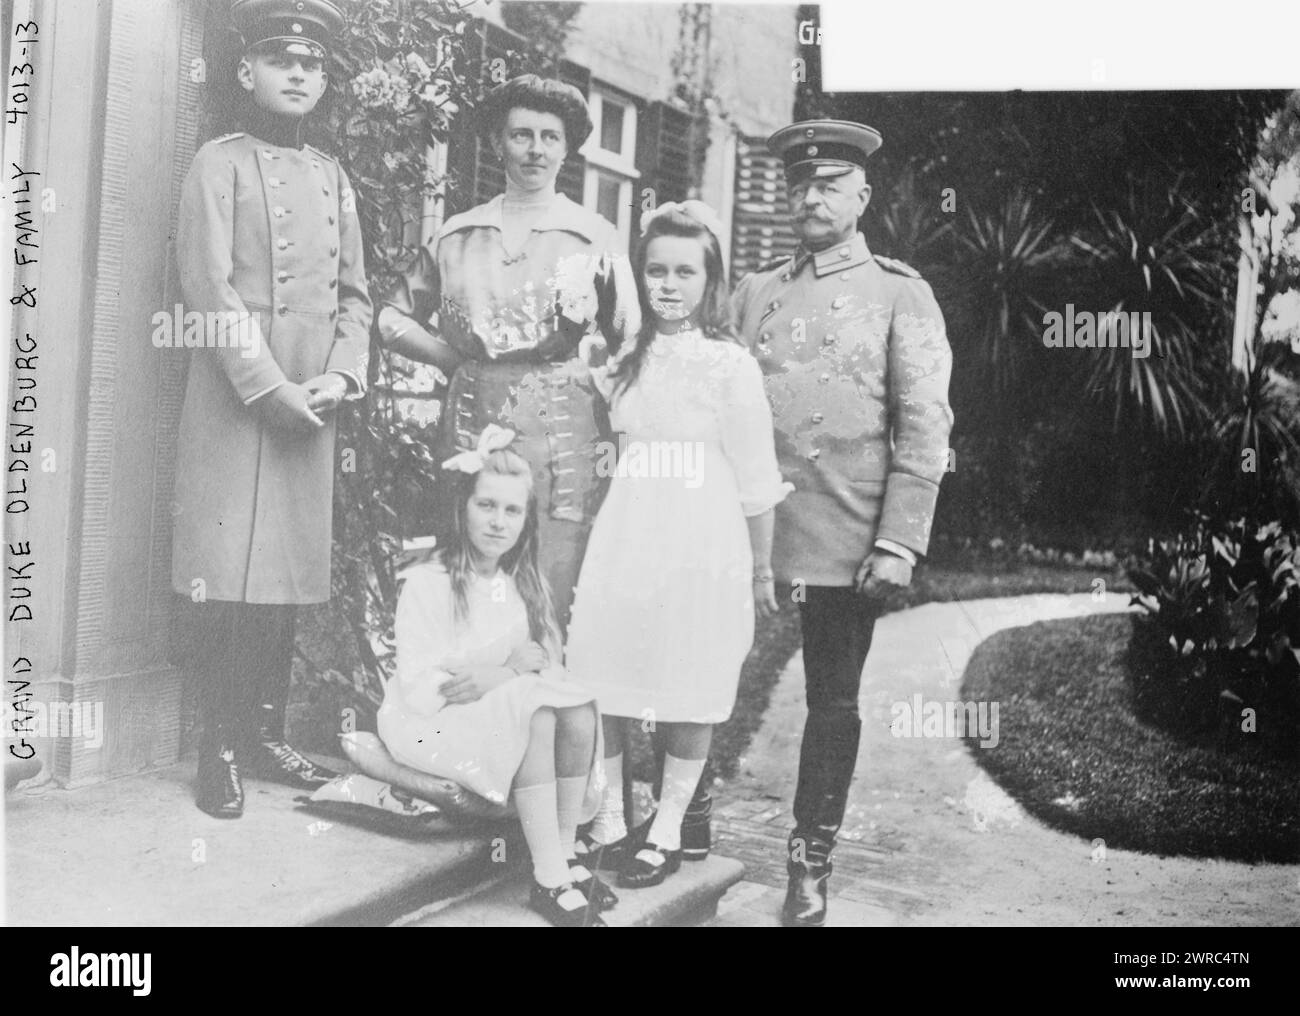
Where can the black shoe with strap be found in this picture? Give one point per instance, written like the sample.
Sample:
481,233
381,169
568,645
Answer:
649,866
586,882
219,790
564,906
809,870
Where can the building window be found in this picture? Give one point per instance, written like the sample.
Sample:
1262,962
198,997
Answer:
610,153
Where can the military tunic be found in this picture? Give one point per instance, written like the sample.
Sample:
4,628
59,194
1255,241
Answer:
856,365
272,232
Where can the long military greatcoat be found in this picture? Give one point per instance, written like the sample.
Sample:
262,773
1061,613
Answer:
856,364
271,231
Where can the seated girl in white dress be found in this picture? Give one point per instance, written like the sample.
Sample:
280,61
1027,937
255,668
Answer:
679,557
480,695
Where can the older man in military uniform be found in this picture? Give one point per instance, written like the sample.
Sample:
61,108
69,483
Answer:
856,364
269,250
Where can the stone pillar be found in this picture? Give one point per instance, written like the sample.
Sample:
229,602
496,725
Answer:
118,124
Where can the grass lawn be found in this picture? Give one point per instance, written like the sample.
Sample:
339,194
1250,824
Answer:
1075,756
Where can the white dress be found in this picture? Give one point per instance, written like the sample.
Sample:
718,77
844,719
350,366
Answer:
478,744
664,614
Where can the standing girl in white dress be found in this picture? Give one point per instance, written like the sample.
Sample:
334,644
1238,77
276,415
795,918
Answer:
480,695
679,557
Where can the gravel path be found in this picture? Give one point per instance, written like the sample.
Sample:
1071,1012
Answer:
930,839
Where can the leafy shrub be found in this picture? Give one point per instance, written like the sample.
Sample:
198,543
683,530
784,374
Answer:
1222,631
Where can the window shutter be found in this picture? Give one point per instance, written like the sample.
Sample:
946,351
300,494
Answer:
664,154
760,228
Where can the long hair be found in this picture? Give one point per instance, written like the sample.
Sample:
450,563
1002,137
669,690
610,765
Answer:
715,316
519,562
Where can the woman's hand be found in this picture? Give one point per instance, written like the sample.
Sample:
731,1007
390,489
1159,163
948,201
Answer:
765,605
528,659
469,684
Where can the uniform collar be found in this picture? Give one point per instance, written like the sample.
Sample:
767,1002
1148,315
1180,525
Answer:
838,258
281,131
562,214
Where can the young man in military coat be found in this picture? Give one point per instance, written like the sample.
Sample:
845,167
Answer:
856,365
270,250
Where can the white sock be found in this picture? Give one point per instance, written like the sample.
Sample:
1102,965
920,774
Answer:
681,776
609,826
537,809
570,792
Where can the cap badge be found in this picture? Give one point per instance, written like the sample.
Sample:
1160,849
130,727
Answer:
296,27
810,132
812,149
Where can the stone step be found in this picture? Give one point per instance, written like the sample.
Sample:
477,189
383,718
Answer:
136,851
689,896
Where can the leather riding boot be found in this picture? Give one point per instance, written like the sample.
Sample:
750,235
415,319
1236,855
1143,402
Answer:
274,758
271,756
218,789
217,786
827,759
808,868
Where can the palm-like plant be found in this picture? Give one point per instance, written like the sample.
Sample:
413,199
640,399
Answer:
1005,265
1257,439
910,228
1156,253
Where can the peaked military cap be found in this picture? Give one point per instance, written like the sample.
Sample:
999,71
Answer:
823,147
302,27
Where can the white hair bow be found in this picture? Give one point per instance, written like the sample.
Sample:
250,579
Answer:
693,209
492,439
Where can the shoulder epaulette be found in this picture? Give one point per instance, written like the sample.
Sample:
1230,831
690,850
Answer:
897,267
227,137
317,151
